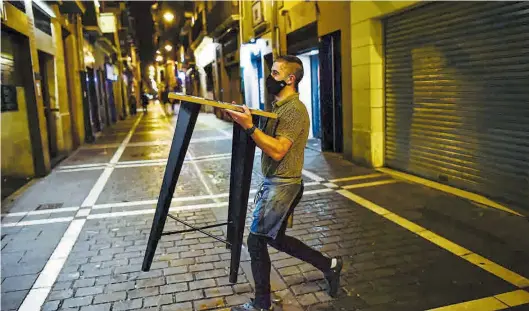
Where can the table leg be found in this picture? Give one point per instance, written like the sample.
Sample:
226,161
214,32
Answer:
243,151
187,117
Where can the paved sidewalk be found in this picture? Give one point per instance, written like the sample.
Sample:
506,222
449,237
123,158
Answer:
75,240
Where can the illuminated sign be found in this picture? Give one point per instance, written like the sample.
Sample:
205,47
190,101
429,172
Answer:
107,22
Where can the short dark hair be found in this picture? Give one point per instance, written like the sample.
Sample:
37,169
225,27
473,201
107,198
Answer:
295,66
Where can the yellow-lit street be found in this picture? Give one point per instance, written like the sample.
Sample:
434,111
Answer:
382,163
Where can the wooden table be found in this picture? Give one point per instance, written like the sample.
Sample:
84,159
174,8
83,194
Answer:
242,156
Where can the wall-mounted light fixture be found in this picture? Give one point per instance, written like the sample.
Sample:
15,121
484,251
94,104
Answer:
168,16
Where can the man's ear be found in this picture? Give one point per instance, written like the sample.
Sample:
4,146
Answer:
291,79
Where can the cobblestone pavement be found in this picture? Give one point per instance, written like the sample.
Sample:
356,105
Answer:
75,240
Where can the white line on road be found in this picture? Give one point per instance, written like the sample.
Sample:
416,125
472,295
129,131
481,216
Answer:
37,222
152,210
42,286
153,202
142,163
42,212
81,166
193,162
126,204
163,163
98,188
82,169
312,176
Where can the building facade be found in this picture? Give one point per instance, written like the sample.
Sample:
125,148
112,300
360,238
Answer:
54,95
436,90
440,91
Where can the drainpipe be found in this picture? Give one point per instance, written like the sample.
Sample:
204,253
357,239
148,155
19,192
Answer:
275,31
241,19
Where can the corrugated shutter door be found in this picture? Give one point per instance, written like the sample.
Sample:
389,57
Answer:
457,96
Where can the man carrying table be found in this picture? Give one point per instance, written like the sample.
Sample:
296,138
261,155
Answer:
283,144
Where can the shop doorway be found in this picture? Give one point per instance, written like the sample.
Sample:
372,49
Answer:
331,93
51,110
93,100
309,90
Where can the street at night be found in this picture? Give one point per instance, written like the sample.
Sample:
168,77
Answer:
404,124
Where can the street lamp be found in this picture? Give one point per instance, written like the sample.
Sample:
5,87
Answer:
168,16
168,48
159,58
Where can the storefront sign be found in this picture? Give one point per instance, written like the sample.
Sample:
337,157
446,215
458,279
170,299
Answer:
107,22
9,98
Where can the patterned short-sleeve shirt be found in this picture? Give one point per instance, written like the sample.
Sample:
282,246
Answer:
292,123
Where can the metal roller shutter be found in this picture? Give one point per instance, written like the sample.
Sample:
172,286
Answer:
457,96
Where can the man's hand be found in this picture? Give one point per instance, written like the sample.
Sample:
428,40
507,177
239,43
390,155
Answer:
244,119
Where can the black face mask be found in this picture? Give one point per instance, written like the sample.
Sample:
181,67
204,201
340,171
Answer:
273,86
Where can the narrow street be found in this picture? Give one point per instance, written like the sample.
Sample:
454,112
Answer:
75,239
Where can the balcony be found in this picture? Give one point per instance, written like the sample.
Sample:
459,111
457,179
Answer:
221,17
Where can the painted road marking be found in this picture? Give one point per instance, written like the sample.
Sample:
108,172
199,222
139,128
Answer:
184,207
191,157
370,184
359,177
82,166
150,210
140,163
42,286
43,212
82,169
329,188
312,176
37,222
451,190
452,247
492,303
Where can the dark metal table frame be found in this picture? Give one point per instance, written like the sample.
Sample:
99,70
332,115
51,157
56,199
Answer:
243,150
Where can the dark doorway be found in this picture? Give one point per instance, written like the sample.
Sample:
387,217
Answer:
331,93
45,61
105,109
89,133
208,69
93,100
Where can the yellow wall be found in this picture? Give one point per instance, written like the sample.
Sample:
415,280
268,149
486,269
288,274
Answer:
368,78
16,19
17,159
55,116
43,164
64,131
44,42
335,15
74,88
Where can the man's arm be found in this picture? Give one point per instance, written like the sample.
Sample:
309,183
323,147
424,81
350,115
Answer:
276,148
